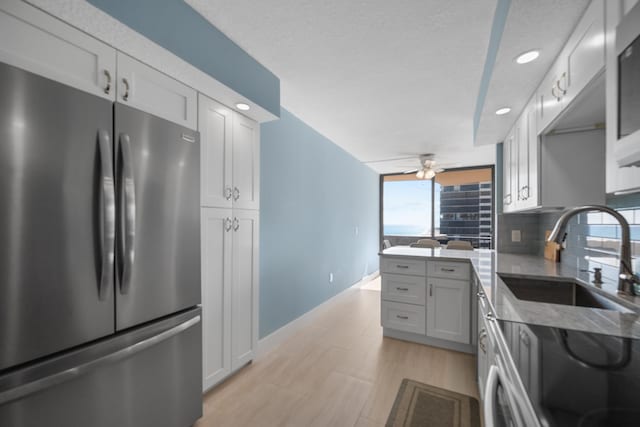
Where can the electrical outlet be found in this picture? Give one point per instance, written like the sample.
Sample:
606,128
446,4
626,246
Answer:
515,235
330,277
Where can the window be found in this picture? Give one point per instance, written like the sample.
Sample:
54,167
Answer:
455,205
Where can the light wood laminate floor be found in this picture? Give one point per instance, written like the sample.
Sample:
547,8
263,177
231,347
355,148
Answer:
336,371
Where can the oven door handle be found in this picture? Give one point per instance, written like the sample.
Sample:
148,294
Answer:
490,396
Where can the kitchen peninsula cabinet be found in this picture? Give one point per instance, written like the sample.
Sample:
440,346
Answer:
427,301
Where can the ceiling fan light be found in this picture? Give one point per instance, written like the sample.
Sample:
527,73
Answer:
429,174
420,174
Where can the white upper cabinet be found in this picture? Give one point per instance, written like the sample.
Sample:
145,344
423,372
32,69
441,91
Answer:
528,158
60,52
230,157
246,163
581,60
147,89
584,53
508,172
215,152
618,179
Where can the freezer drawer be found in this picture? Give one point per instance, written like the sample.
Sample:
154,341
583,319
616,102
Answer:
150,376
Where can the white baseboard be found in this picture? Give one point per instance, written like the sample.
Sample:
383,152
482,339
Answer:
277,337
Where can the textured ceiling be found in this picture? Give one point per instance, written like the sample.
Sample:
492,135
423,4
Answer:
382,79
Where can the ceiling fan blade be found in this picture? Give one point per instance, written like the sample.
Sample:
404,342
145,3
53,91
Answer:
411,171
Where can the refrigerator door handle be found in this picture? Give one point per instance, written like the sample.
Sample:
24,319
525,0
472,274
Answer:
108,231
129,230
72,373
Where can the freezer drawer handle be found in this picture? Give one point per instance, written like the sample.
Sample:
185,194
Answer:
129,212
75,372
108,220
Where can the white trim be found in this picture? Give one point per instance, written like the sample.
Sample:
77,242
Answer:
93,21
277,337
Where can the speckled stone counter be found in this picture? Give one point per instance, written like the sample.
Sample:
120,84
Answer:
489,265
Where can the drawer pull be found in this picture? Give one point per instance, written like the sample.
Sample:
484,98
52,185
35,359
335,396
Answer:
448,270
402,317
402,266
403,289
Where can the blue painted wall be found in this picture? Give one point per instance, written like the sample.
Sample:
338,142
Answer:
313,195
174,25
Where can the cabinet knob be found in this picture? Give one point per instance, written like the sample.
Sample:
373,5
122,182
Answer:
431,289
236,193
228,193
227,224
236,224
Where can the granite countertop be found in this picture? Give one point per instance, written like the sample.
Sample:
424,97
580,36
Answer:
488,264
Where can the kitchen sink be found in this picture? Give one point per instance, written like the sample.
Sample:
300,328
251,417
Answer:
558,292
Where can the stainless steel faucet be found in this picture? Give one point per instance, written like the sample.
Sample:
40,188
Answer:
626,278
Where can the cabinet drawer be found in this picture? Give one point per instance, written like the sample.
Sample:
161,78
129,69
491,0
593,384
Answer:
403,266
399,288
403,317
449,270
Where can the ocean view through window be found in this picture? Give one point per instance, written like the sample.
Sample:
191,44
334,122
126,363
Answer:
456,205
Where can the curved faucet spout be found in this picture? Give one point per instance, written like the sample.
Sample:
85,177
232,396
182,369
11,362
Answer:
626,277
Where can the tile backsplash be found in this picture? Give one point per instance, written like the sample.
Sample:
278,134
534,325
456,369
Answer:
593,239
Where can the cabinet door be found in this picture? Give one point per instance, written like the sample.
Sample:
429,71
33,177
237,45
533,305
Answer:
149,90
549,98
214,125
526,358
528,159
41,44
216,295
244,287
448,309
246,163
507,201
483,359
584,53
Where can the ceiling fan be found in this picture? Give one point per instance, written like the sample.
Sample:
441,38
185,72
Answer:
427,169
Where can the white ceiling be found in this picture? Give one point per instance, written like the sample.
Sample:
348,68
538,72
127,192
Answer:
381,79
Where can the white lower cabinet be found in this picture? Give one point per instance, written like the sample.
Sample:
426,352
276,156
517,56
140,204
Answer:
216,295
403,317
448,309
229,291
430,300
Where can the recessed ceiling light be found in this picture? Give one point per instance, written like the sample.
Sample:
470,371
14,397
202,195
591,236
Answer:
242,106
529,56
503,111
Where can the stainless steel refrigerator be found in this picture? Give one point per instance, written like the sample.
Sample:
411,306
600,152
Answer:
99,261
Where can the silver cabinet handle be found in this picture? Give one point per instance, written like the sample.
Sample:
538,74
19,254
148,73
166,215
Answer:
490,317
522,192
108,232
402,317
448,270
128,192
227,224
236,224
524,338
481,294
403,289
481,340
563,90
107,87
402,266
73,373
236,193
430,289
125,95
507,199
227,193
557,96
